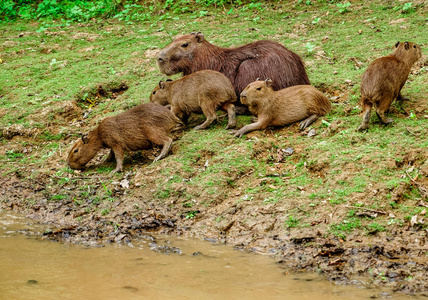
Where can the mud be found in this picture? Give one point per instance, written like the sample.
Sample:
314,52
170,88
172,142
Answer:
395,259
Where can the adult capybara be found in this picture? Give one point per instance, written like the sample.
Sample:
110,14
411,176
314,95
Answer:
286,106
200,91
134,129
242,65
383,80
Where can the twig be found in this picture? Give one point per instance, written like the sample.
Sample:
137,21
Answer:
420,187
246,174
368,209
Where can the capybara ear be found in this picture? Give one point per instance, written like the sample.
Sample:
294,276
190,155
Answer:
257,79
85,138
268,82
406,45
396,45
199,37
161,84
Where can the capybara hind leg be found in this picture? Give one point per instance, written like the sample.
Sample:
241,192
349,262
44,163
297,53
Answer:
230,109
165,149
308,121
367,108
119,155
209,112
380,111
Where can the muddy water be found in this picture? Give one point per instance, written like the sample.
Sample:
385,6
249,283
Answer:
32,268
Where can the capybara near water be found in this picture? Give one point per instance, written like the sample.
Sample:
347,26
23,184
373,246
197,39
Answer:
202,91
278,108
383,80
242,65
134,129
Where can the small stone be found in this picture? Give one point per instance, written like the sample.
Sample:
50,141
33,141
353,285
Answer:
312,133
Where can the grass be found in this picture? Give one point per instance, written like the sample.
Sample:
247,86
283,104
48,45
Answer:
109,66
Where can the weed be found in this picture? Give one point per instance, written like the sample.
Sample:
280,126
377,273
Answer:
292,222
343,7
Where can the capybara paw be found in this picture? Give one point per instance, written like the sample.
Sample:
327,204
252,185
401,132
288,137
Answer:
388,120
363,127
230,126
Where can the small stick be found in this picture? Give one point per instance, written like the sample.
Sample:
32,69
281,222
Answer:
368,209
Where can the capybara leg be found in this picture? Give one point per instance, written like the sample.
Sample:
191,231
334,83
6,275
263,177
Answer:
260,124
380,111
230,109
165,149
308,121
110,157
367,107
209,112
119,155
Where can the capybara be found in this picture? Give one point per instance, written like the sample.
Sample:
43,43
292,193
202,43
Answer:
202,91
134,129
242,65
286,106
383,80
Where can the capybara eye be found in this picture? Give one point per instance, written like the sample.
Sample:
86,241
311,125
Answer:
154,92
259,88
185,45
76,150
414,46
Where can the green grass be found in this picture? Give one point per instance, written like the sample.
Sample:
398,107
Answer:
88,62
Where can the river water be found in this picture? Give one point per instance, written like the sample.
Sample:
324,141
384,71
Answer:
34,268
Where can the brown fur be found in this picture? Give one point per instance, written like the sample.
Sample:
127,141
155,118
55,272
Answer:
200,91
283,107
242,65
132,130
383,80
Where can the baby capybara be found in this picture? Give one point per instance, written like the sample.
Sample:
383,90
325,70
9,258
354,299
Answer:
278,108
383,80
134,129
202,91
242,65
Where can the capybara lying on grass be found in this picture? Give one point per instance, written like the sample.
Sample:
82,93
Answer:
383,80
134,129
201,91
278,108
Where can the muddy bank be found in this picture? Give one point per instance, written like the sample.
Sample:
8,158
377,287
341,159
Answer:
395,259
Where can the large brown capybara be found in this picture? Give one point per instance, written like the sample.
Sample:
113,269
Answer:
202,91
383,80
134,129
278,108
242,65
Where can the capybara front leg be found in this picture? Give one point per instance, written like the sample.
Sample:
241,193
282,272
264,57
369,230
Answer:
209,112
230,109
308,121
119,155
165,149
367,107
260,124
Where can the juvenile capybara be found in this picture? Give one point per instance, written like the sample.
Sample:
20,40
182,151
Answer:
383,80
202,91
278,108
242,65
134,129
